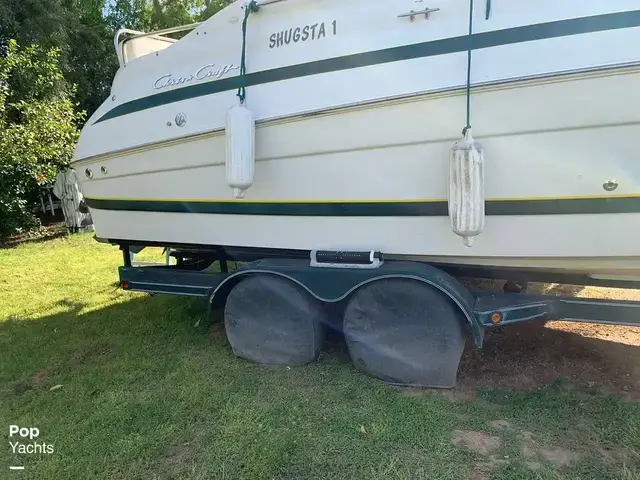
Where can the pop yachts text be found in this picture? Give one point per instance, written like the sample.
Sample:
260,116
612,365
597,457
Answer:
35,447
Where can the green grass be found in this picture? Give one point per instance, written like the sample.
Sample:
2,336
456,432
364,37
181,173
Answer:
146,394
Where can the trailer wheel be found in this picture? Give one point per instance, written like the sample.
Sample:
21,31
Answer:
405,332
273,321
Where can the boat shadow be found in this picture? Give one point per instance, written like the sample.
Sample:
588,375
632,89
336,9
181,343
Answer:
39,350
586,357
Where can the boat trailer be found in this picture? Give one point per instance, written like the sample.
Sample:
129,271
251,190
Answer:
404,322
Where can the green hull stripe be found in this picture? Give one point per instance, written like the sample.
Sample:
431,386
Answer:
374,209
541,31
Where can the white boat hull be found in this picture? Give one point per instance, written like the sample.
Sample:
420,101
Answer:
358,159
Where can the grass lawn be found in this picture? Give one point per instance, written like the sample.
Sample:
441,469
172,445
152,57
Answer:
144,393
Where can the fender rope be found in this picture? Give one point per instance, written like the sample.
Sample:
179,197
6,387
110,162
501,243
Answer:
251,7
469,67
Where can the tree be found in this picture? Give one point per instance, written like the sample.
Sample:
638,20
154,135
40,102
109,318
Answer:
78,29
38,129
211,7
88,58
40,111
83,32
125,14
149,15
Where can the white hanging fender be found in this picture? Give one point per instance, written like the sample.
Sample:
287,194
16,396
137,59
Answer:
240,160
466,188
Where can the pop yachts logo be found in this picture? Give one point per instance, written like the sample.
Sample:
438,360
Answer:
207,71
18,446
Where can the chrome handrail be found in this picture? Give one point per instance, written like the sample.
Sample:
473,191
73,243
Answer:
116,42
139,34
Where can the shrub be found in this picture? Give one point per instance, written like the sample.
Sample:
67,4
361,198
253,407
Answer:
38,130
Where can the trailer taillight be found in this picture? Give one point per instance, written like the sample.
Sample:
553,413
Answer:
124,285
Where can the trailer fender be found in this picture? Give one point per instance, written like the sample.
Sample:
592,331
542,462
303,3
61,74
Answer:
333,285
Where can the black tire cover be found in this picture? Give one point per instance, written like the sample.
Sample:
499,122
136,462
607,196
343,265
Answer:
273,321
405,332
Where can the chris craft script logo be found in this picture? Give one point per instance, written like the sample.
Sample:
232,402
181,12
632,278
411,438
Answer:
207,71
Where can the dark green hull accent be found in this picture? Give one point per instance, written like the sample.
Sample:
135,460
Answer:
541,31
375,209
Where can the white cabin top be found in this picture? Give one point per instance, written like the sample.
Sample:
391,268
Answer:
142,43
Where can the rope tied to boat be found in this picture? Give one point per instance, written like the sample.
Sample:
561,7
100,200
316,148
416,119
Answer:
251,7
469,49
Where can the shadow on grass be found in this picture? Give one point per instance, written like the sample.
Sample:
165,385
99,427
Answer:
521,357
49,232
143,393
48,346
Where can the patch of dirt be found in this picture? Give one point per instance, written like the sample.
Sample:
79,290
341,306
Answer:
592,357
559,456
535,454
46,232
533,465
216,328
479,475
413,392
173,460
492,463
457,396
483,470
35,381
500,424
21,386
527,436
478,442
335,349
454,396
528,452
98,351
40,377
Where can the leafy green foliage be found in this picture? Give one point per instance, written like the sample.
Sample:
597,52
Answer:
88,59
210,7
38,129
77,29
125,14
148,15
39,110
82,31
